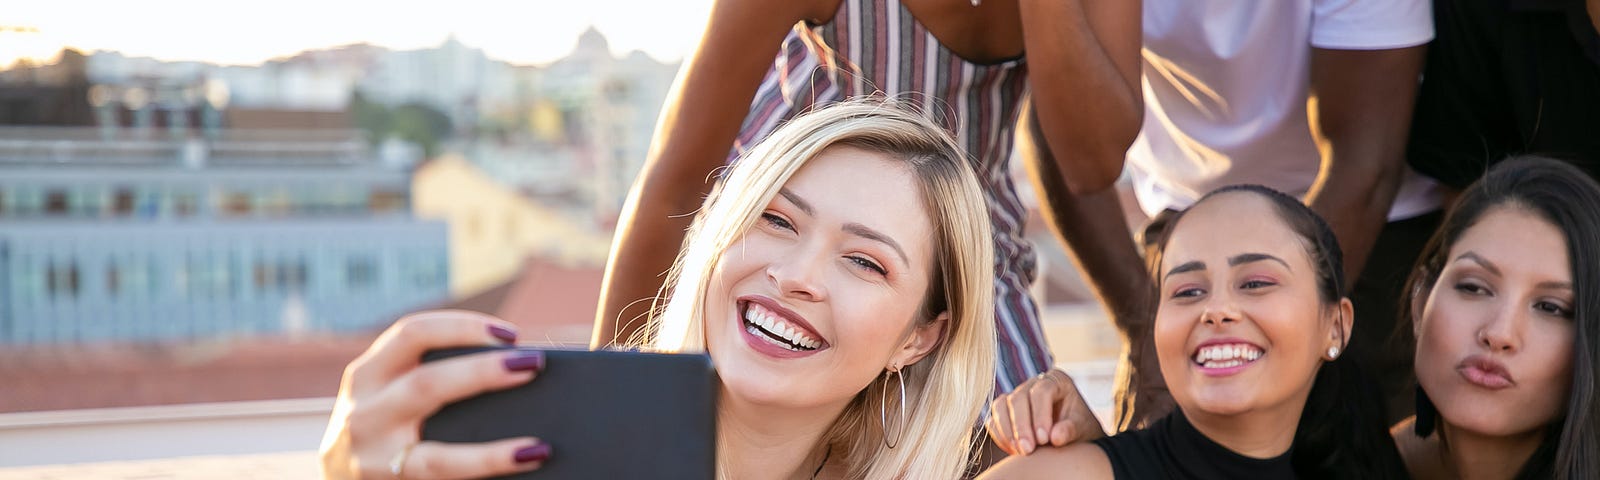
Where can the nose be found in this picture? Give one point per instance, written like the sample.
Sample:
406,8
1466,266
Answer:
1220,309
1503,331
799,277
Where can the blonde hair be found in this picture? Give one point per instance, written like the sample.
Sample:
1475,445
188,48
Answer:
947,389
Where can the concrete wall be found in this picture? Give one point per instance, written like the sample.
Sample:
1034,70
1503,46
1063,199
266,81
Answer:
137,433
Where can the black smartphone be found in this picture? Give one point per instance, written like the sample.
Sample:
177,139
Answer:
605,414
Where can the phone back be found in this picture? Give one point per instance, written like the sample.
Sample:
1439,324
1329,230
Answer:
605,414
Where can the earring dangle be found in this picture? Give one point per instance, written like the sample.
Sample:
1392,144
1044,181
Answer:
883,414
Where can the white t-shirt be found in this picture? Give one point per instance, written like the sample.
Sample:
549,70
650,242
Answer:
1225,88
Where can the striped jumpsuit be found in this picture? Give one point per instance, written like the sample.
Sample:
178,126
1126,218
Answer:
875,46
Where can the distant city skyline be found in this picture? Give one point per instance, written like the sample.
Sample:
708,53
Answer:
530,33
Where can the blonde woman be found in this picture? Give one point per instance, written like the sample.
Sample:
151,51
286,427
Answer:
846,259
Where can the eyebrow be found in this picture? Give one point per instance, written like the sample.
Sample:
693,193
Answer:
856,229
1244,258
1554,285
1490,266
865,232
1483,262
797,201
1186,268
1233,261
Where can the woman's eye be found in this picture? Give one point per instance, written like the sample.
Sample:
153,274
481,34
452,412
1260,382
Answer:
1254,284
1471,288
1188,293
777,221
868,264
1553,309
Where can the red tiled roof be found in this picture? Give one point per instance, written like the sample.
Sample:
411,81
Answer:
121,375
550,302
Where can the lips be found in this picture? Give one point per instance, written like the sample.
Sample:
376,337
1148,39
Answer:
772,329
1485,372
1222,357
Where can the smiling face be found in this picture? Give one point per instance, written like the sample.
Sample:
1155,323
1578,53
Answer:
823,292
1495,335
1241,326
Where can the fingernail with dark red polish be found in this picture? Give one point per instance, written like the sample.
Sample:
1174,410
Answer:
536,453
503,333
527,360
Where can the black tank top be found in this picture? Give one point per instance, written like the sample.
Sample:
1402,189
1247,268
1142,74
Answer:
1171,448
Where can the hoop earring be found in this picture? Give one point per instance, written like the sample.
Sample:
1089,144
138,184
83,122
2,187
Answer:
883,412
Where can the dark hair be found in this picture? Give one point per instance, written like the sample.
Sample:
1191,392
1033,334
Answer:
1570,200
1341,433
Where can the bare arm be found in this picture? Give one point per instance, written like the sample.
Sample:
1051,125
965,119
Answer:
1096,234
1360,114
1095,231
693,137
1087,107
1083,66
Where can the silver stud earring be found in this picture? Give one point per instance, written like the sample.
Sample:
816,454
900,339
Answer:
1333,353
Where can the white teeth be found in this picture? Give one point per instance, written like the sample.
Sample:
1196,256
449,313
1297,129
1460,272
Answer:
771,322
1224,356
767,338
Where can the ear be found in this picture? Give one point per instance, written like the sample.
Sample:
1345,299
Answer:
922,340
1344,322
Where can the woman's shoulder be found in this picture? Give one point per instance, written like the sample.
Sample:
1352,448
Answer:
1083,460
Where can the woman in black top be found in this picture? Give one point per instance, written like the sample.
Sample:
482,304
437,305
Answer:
1249,331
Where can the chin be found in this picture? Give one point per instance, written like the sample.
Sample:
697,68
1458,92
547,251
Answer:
764,389
751,388
1488,418
1222,403
745,376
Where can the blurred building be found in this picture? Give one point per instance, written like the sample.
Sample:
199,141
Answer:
313,80
450,77
493,229
144,234
50,94
605,111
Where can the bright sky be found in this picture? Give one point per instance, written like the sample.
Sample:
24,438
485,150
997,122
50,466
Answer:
522,32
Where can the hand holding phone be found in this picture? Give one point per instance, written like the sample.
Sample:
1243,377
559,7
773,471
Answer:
605,414
386,393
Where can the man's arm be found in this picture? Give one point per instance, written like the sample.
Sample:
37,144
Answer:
1093,228
693,137
1095,231
1087,107
1083,69
1360,113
